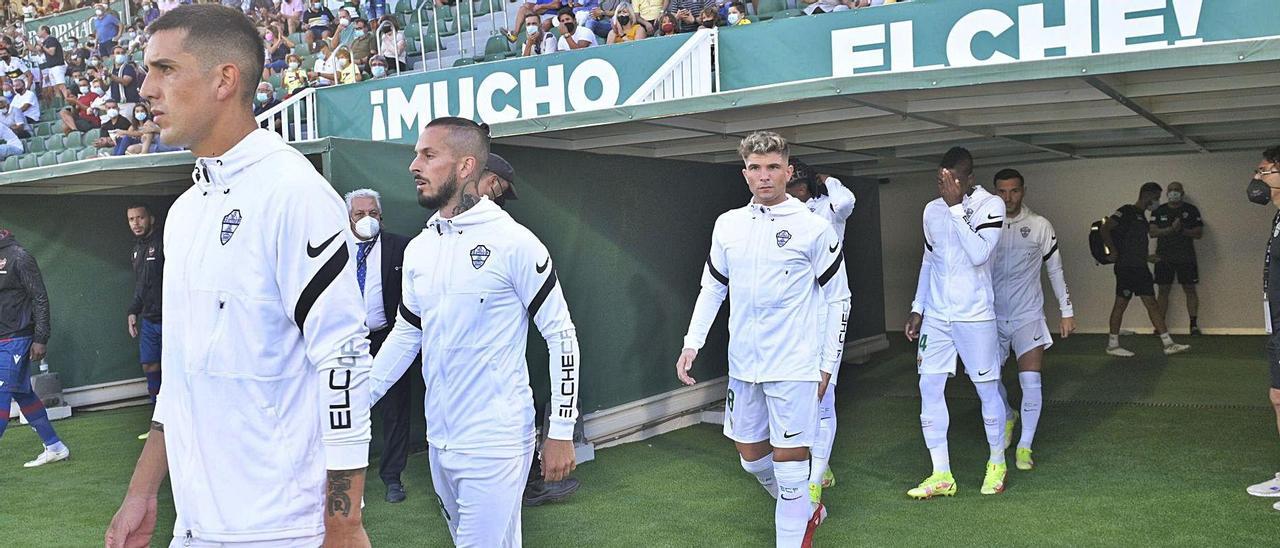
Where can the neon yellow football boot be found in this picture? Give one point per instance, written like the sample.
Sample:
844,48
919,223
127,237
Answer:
1023,460
993,483
939,484
828,479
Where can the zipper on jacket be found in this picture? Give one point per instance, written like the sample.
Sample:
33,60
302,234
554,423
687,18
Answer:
187,541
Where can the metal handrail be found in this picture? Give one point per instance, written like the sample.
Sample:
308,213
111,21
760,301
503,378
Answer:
378,36
294,108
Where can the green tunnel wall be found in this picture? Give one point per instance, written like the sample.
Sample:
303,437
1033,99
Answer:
629,237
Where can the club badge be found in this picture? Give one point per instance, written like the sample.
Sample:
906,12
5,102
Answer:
479,254
783,237
1026,231
229,225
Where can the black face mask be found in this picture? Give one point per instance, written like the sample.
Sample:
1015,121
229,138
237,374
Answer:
1258,192
709,24
569,27
624,19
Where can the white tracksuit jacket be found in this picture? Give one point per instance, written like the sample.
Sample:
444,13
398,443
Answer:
782,264
471,283
1027,242
264,346
959,241
836,206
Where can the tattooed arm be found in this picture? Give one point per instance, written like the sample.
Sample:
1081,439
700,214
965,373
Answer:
342,513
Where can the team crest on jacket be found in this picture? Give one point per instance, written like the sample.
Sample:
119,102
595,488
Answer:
783,237
479,254
229,225
1026,231
3,263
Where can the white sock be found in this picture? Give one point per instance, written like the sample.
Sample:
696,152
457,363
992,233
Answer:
1166,339
992,417
935,419
1031,400
793,509
820,453
1113,340
56,447
1004,397
763,471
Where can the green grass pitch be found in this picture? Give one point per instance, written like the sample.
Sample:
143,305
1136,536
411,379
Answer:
1144,451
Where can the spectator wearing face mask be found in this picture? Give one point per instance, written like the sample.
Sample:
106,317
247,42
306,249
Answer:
9,143
292,11
13,67
347,72
112,124
738,14
625,26
667,25
709,18
294,77
378,67
391,44
106,26
150,12
131,136
126,78
537,40
545,10
77,49
573,36
13,120
278,46
362,43
317,18
324,72
25,101
687,12
78,116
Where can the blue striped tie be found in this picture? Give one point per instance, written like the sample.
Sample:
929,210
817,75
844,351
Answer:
362,267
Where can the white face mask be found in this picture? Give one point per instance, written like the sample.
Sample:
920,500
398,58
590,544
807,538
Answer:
531,30
342,63
1175,196
294,65
734,18
112,113
367,228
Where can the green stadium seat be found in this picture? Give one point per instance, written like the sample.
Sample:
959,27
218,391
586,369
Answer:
41,129
86,153
464,61
464,23
446,13
768,7
47,159
495,56
483,7
27,161
274,80
496,44
444,27
787,13
67,156
54,143
10,163
35,145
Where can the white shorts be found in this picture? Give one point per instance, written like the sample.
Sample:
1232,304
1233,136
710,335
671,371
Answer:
480,496
975,343
55,76
306,542
783,412
1023,336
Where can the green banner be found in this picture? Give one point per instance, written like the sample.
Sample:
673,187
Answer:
78,23
934,34
394,109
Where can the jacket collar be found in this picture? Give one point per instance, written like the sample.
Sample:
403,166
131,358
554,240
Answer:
790,206
219,172
483,212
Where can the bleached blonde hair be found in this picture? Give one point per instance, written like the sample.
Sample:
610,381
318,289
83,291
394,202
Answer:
763,142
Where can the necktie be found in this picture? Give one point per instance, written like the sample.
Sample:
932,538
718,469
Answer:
362,267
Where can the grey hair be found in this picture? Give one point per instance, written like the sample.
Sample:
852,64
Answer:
763,142
364,193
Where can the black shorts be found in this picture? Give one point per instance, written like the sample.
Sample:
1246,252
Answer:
1134,281
1185,273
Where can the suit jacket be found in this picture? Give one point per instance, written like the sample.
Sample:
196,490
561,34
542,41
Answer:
393,246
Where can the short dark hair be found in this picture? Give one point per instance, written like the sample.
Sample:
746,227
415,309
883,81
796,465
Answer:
958,160
804,174
1150,187
564,11
742,8
1009,173
141,205
218,34
44,29
466,138
1272,154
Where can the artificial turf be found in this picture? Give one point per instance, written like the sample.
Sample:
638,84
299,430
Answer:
1140,451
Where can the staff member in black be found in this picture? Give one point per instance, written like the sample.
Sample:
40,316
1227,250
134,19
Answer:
144,312
1263,189
379,258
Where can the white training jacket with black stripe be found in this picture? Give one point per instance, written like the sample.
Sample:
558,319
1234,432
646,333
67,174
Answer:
471,284
836,206
783,265
959,241
1027,242
264,346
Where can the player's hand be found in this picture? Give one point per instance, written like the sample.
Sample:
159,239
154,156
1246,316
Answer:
1068,326
346,536
949,187
133,523
822,386
684,364
37,352
557,459
133,326
912,330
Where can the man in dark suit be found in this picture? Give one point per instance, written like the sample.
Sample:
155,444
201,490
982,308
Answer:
379,256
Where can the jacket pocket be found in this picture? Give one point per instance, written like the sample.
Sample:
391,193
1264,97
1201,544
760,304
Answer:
249,338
